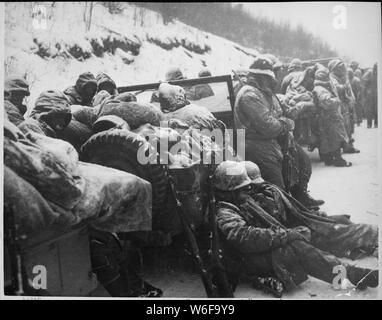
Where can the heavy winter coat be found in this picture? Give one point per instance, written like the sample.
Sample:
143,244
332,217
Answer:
334,234
342,89
331,122
260,115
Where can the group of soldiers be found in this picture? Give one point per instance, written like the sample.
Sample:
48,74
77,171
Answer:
356,91
273,231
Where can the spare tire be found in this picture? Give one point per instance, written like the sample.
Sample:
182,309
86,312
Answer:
76,133
118,149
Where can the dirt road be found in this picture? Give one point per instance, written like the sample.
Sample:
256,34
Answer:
354,190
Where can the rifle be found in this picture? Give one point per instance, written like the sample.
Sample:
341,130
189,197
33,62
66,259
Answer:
12,241
323,61
206,279
287,144
216,254
213,276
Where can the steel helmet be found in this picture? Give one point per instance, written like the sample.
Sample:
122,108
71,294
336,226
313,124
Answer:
231,175
295,64
174,74
253,172
204,73
354,65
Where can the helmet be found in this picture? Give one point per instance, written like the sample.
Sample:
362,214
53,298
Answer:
262,65
354,65
16,84
204,73
295,64
253,172
322,74
230,175
358,73
350,73
174,74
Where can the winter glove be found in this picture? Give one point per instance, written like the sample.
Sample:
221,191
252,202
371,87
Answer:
304,231
299,233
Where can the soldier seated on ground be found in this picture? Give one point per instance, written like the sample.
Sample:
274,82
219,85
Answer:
335,233
83,91
266,247
15,90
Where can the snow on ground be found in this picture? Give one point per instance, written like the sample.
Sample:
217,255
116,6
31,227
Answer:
66,28
354,190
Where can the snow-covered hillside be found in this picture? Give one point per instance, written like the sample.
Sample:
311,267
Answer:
133,46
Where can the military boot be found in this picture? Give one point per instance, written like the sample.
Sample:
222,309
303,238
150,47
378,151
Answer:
349,147
362,278
302,195
327,158
338,161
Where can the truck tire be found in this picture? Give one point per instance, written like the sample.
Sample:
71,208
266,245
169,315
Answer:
118,149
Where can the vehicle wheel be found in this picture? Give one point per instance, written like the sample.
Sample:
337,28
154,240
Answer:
118,149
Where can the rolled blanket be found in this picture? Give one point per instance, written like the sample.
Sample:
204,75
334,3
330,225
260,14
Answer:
134,113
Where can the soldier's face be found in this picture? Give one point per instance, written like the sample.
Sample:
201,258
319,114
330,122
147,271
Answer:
270,83
244,193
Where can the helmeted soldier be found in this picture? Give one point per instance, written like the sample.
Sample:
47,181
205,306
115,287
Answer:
342,87
83,91
104,82
171,75
300,99
295,66
370,92
200,91
264,246
355,83
260,113
335,233
354,65
15,90
332,131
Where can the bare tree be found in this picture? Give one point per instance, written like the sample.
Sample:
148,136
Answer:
88,12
